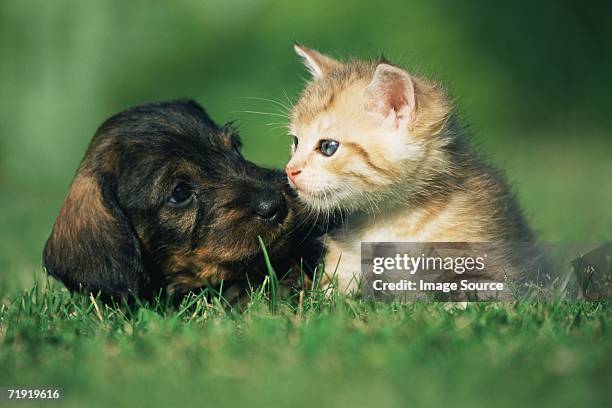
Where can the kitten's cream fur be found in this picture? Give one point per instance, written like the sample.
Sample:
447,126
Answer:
403,171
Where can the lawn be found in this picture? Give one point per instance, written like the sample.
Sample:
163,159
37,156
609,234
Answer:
338,352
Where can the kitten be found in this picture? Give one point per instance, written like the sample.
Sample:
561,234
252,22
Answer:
382,147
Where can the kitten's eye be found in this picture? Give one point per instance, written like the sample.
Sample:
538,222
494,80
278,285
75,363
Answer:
328,147
294,142
182,195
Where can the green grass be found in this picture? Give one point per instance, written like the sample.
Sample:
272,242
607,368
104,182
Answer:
330,352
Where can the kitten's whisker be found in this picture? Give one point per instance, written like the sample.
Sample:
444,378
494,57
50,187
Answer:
285,107
263,113
287,96
275,126
277,123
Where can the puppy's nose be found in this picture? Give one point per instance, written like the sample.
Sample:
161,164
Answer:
292,173
270,205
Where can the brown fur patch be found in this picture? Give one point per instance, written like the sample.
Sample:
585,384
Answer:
210,274
83,209
432,108
389,171
322,93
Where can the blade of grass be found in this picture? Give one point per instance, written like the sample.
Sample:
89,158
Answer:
273,277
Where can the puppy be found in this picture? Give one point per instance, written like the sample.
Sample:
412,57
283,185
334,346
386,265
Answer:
164,199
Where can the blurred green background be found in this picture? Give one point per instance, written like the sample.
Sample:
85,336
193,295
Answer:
532,79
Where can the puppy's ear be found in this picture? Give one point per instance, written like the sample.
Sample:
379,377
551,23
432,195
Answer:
230,137
92,245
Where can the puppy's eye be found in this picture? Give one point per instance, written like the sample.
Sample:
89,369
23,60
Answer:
328,147
181,195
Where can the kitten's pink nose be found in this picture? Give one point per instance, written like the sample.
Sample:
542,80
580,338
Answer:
292,173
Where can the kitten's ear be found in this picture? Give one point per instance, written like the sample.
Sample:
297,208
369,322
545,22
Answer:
318,64
391,94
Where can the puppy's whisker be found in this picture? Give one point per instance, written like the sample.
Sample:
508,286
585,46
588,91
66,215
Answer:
310,230
306,215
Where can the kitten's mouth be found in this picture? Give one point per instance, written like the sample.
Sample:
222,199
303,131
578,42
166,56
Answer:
305,189
319,200
305,194
309,193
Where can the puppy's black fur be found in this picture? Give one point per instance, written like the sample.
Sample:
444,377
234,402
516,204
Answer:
163,198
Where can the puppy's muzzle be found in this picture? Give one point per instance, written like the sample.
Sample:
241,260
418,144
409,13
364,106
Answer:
270,205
